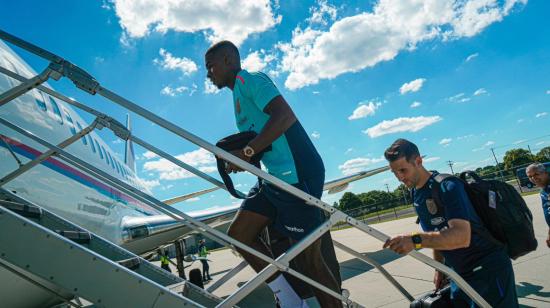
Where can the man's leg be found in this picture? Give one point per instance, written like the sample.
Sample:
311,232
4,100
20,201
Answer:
246,228
312,262
204,270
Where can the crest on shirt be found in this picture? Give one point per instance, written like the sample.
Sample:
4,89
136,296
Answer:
238,106
432,207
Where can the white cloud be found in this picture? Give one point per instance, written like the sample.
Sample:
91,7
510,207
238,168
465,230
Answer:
431,159
483,147
358,164
354,43
210,88
218,20
257,61
459,98
149,155
401,125
471,57
173,92
445,141
416,104
520,141
200,159
521,120
171,63
315,135
364,110
465,137
542,114
319,15
540,143
148,184
117,141
349,150
480,91
194,199
412,86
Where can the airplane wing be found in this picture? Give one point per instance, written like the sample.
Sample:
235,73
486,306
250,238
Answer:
340,184
333,186
189,196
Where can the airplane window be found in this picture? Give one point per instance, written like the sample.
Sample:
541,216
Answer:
99,149
39,100
56,111
83,137
70,120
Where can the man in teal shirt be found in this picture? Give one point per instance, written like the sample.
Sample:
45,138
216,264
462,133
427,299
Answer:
259,107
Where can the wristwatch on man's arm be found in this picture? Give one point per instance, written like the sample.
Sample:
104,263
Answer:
417,240
248,151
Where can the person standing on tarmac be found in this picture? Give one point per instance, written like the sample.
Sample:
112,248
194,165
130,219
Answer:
538,174
164,261
203,253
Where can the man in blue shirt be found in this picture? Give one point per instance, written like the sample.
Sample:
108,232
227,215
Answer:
259,107
538,174
448,231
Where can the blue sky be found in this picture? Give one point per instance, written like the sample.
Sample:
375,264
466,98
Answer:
456,77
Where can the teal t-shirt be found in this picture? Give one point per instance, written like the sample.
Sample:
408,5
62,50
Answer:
293,156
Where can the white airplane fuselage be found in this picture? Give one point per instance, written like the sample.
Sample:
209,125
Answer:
62,188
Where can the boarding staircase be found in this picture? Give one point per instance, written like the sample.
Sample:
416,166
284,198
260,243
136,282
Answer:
76,266
108,276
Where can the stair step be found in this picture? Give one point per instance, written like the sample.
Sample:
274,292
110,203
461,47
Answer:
22,209
76,236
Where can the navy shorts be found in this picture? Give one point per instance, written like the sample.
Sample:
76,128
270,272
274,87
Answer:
494,282
289,215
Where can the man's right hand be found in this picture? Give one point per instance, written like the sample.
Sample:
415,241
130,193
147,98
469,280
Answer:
439,279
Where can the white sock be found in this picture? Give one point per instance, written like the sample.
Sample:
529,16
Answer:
285,293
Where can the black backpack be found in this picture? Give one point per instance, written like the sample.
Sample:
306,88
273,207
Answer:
503,212
237,142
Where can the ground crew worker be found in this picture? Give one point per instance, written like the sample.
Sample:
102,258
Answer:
203,253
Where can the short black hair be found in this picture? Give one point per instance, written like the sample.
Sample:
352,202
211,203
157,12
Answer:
226,46
401,148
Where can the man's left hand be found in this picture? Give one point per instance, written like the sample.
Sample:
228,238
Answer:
402,244
232,168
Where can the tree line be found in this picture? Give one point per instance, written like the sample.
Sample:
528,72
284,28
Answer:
376,200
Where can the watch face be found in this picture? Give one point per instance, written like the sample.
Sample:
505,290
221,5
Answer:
248,151
416,239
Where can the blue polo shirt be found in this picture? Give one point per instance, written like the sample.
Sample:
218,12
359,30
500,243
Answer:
293,157
544,195
456,205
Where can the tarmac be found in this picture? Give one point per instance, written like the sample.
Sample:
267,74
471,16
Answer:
369,288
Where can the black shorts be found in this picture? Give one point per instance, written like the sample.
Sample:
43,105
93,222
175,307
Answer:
289,215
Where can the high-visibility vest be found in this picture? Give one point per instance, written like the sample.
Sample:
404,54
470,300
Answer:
164,260
203,252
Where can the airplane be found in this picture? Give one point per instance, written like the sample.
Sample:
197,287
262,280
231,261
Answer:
64,190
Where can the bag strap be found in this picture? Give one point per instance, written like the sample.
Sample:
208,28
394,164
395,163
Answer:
229,182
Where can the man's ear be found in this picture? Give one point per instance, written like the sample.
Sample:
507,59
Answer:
418,161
